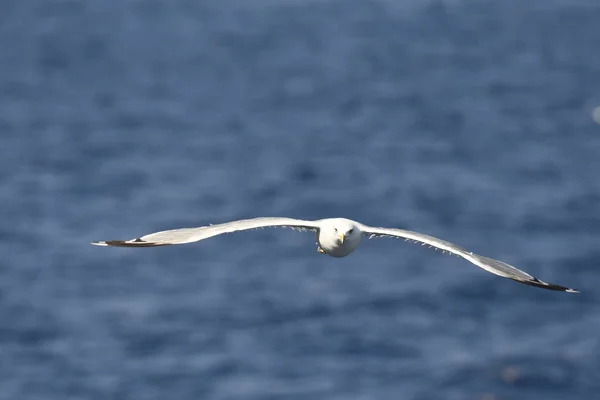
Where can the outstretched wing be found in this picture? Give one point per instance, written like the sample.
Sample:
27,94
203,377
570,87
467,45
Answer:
188,235
494,266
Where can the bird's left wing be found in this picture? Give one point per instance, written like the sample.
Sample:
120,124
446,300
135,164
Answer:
188,235
494,266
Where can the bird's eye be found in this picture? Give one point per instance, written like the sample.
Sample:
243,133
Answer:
335,229
351,230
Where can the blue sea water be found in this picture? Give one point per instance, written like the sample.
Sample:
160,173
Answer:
470,120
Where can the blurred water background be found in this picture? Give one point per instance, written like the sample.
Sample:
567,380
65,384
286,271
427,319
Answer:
471,120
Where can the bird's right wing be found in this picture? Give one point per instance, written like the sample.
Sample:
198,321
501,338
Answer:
189,235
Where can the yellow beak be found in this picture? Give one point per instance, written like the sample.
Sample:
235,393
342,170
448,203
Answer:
342,237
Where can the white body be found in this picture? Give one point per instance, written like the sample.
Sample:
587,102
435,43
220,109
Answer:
339,238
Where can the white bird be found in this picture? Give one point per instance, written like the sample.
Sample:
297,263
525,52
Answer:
336,237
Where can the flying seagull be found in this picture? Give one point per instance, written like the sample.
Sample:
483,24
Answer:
336,237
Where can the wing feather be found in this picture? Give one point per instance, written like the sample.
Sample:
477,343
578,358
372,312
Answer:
494,266
189,235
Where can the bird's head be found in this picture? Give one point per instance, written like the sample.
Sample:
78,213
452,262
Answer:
345,230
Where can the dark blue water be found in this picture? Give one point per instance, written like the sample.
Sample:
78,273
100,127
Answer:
467,120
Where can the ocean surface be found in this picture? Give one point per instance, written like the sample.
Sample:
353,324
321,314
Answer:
470,120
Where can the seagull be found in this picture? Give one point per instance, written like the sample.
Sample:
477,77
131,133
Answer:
336,237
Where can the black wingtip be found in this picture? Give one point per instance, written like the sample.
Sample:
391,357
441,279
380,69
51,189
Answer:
127,243
548,286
